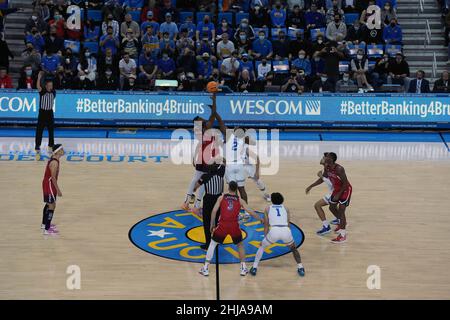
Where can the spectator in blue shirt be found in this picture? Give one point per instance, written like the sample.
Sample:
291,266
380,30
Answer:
50,62
224,27
302,63
36,39
189,26
151,41
91,31
205,46
314,19
204,67
169,26
109,41
147,66
205,29
247,64
392,34
150,22
133,3
317,66
278,16
167,44
166,67
262,48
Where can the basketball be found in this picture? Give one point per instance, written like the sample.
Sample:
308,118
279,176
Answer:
212,87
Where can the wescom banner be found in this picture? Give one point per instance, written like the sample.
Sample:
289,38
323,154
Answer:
279,110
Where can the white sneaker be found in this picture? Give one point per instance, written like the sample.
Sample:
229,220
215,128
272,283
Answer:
42,226
244,272
204,271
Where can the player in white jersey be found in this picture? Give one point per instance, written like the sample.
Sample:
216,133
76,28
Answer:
252,169
325,201
278,218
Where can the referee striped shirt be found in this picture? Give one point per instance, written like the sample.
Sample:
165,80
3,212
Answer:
47,99
213,181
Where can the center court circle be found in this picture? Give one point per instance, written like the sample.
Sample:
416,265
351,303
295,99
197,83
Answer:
177,235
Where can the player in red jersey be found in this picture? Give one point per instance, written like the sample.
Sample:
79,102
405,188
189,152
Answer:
230,205
340,198
51,190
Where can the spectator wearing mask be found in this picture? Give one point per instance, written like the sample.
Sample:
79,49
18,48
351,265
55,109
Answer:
88,65
392,34
247,29
291,85
264,75
168,26
5,79
187,63
259,17
70,64
204,70
184,41
281,46
108,81
243,45
314,19
302,63
130,44
147,68
91,31
5,53
388,13
336,30
83,83
36,39
54,43
128,25
63,80
420,84
380,71
299,44
359,67
278,15
225,47
398,70
297,18
331,56
166,67
323,85
127,68
35,23
317,67
205,29
111,23
355,33
50,62
27,80
166,8
108,61
247,64
58,22
167,44
224,27
109,41
190,26
318,45
31,57
150,22
114,9
261,47
345,82
442,85
229,69
245,82
334,10
43,10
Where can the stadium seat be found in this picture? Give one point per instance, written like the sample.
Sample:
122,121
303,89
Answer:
315,32
392,49
350,18
241,15
292,33
73,45
344,66
135,15
280,66
274,32
353,49
371,65
375,51
225,15
184,15
201,15
95,15
92,46
257,30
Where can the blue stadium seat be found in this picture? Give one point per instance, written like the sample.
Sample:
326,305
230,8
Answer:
353,49
274,32
281,66
92,46
392,49
185,14
74,45
201,15
371,65
135,15
344,66
350,18
315,32
375,51
241,15
257,30
95,15
292,33
225,15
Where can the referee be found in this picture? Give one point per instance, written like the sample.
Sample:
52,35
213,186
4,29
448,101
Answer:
213,182
47,96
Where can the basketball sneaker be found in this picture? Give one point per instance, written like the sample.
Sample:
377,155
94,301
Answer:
267,197
253,271
204,271
52,226
244,271
301,272
335,221
339,239
185,206
50,232
323,231
338,228
192,199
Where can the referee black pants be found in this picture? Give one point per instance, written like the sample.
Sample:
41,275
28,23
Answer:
209,201
45,119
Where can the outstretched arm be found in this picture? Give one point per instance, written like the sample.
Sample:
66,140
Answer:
250,211
222,126
38,82
266,221
212,117
315,184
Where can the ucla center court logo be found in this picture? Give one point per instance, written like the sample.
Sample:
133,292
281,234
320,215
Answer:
178,235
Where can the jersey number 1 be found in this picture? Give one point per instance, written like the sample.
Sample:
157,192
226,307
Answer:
278,212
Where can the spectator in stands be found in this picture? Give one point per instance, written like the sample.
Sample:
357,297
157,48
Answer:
130,44
336,30
150,22
420,84
187,5
388,13
205,29
334,10
132,4
36,39
229,69
259,3
127,67
331,56
167,44
166,8
184,41
5,53
291,85
166,67
96,4
43,10
91,31
5,79
302,63
169,26
381,71
185,83
320,5
63,80
35,23
110,61
109,41
398,70
187,63
359,67
314,19
205,46
296,18
243,44
247,64
225,47
355,33
323,85
204,70
442,85
345,82
392,34
108,81
70,64
60,6
299,44
246,28
88,65
82,82
190,26
280,46
245,82
264,74
113,9
259,17
261,47
317,67
31,57
110,23
129,24
54,43
27,80
278,15
147,68
224,27
151,41
349,6
50,62
205,5
59,23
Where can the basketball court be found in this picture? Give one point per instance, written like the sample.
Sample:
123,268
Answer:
398,221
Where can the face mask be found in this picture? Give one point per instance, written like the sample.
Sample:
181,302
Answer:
28,72
359,56
245,59
386,8
320,41
345,78
278,6
336,20
109,73
316,59
165,58
261,37
242,37
166,38
205,59
224,24
34,18
301,56
67,61
323,79
110,18
264,63
206,21
87,54
57,17
82,78
34,32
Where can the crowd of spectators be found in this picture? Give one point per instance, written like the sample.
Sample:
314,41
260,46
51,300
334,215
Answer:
247,45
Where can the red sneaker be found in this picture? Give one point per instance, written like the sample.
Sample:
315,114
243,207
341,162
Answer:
338,228
340,239
185,206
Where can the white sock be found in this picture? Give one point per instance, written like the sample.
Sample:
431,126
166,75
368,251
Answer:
210,252
299,266
325,223
206,266
243,266
343,232
258,256
197,203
